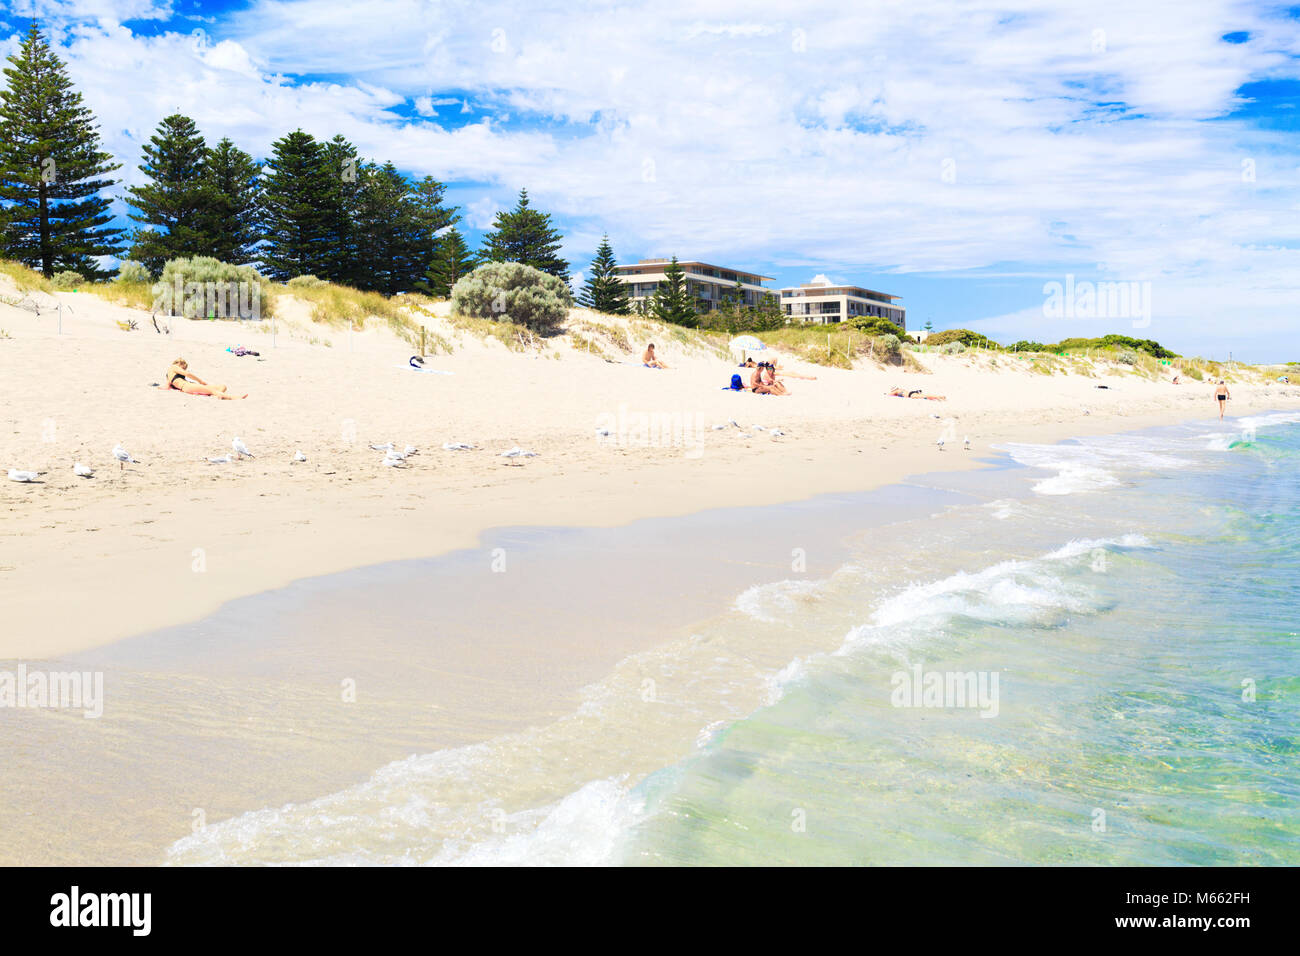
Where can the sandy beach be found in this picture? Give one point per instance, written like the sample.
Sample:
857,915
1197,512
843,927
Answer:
172,538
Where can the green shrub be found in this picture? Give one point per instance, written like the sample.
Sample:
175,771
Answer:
68,280
203,287
1026,346
132,272
965,336
512,292
876,325
1127,358
1154,349
952,348
889,343
305,282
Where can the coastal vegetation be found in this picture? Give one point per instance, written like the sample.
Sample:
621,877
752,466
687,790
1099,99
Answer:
513,292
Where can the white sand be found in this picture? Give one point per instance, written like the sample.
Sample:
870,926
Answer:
85,562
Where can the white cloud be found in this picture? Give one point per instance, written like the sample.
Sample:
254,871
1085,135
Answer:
929,136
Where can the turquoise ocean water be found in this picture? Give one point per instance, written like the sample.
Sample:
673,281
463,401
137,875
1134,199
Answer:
1123,609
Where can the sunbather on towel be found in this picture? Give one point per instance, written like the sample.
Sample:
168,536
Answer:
182,379
897,392
649,360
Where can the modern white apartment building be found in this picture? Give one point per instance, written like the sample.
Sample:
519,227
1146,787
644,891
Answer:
710,286
822,301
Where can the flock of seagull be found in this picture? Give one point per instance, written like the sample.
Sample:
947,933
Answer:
393,458
774,432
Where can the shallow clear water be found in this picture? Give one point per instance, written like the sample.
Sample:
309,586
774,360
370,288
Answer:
1134,598
1125,728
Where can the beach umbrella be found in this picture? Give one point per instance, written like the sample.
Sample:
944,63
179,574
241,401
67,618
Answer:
747,343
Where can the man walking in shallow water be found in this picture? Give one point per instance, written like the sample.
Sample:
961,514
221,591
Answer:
1222,394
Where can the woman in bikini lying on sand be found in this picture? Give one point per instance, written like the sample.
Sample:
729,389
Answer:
182,379
897,392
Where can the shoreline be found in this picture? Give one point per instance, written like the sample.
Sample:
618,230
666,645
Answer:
242,563
454,663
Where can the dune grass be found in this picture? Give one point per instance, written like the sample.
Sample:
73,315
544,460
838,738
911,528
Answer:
512,335
340,306
132,295
838,346
27,280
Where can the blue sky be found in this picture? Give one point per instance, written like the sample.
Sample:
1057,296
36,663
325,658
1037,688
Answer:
962,155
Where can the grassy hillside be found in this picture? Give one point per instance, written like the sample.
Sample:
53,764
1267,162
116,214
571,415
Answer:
27,280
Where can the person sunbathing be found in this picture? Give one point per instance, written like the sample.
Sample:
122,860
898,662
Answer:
897,392
182,379
649,360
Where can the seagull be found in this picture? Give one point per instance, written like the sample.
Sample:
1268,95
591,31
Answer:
387,446
395,455
16,475
240,448
718,428
518,452
965,443
124,457
1086,412
81,471
777,433
759,428
744,435
222,460
456,446
392,462
410,450
940,444
299,456
603,433
732,421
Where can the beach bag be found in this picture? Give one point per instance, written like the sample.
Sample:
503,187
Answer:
737,384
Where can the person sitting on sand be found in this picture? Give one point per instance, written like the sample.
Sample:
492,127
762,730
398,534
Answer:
182,379
763,382
750,363
649,360
768,371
